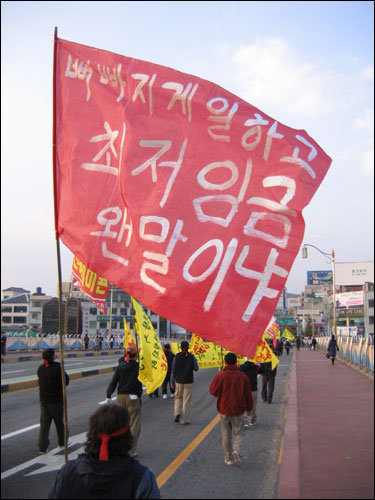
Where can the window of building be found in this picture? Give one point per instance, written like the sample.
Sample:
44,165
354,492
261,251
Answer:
6,319
20,309
92,325
371,302
34,315
36,304
123,311
371,320
93,311
6,309
103,324
20,320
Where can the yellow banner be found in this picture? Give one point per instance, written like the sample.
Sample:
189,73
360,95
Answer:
152,361
264,354
129,338
288,335
209,354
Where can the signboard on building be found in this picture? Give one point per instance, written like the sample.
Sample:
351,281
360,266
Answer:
357,312
319,277
287,320
354,273
349,299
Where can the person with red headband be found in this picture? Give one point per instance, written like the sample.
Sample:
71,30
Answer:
129,391
106,470
182,379
232,389
51,400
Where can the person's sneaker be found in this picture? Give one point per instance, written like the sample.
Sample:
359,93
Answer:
135,455
236,459
228,461
186,423
177,418
246,426
173,395
43,452
253,423
165,396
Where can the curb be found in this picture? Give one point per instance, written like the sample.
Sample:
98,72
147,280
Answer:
33,383
289,471
80,354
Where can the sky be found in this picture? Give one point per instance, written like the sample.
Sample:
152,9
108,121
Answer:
309,65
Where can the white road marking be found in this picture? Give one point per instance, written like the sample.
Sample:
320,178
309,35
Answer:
15,433
15,371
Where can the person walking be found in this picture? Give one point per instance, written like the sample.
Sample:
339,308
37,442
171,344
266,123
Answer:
232,390
288,346
129,392
251,370
167,381
268,381
51,400
106,470
313,343
86,341
298,343
332,349
182,379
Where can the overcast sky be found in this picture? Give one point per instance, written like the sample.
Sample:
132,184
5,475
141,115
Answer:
309,65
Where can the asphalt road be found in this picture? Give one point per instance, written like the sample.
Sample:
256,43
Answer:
201,473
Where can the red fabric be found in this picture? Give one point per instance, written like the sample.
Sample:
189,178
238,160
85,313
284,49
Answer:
233,391
88,281
103,454
179,192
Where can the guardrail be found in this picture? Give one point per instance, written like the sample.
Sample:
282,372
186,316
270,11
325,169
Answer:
38,344
354,350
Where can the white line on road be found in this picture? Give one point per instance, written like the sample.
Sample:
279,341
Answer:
15,433
15,371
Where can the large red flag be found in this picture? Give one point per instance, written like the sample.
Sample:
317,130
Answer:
179,192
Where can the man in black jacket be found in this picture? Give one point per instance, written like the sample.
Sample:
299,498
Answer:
184,364
129,392
251,370
51,399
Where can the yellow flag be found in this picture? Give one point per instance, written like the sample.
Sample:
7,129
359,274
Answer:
288,335
153,364
175,347
129,338
263,354
209,354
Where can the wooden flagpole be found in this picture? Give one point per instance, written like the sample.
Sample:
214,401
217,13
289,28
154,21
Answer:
61,338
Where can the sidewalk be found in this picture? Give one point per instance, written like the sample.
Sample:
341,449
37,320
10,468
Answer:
328,449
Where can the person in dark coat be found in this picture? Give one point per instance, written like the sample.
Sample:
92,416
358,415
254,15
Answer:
313,343
332,348
268,381
251,370
288,346
232,390
106,470
182,379
129,391
51,399
167,381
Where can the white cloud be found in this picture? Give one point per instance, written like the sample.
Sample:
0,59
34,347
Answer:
367,158
271,73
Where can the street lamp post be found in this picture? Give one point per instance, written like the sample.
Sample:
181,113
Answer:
332,257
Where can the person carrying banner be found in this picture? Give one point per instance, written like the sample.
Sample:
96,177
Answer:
182,379
129,392
251,370
106,470
51,400
232,390
167,381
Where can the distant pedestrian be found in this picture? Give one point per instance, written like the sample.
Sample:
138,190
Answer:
167,381
129,391
288,346
251,370
298,343
182,379
332,349
97,343
232,389
111,342
86,341
100,342
3,343
106,470
313,343
280,347
51,399
268,381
